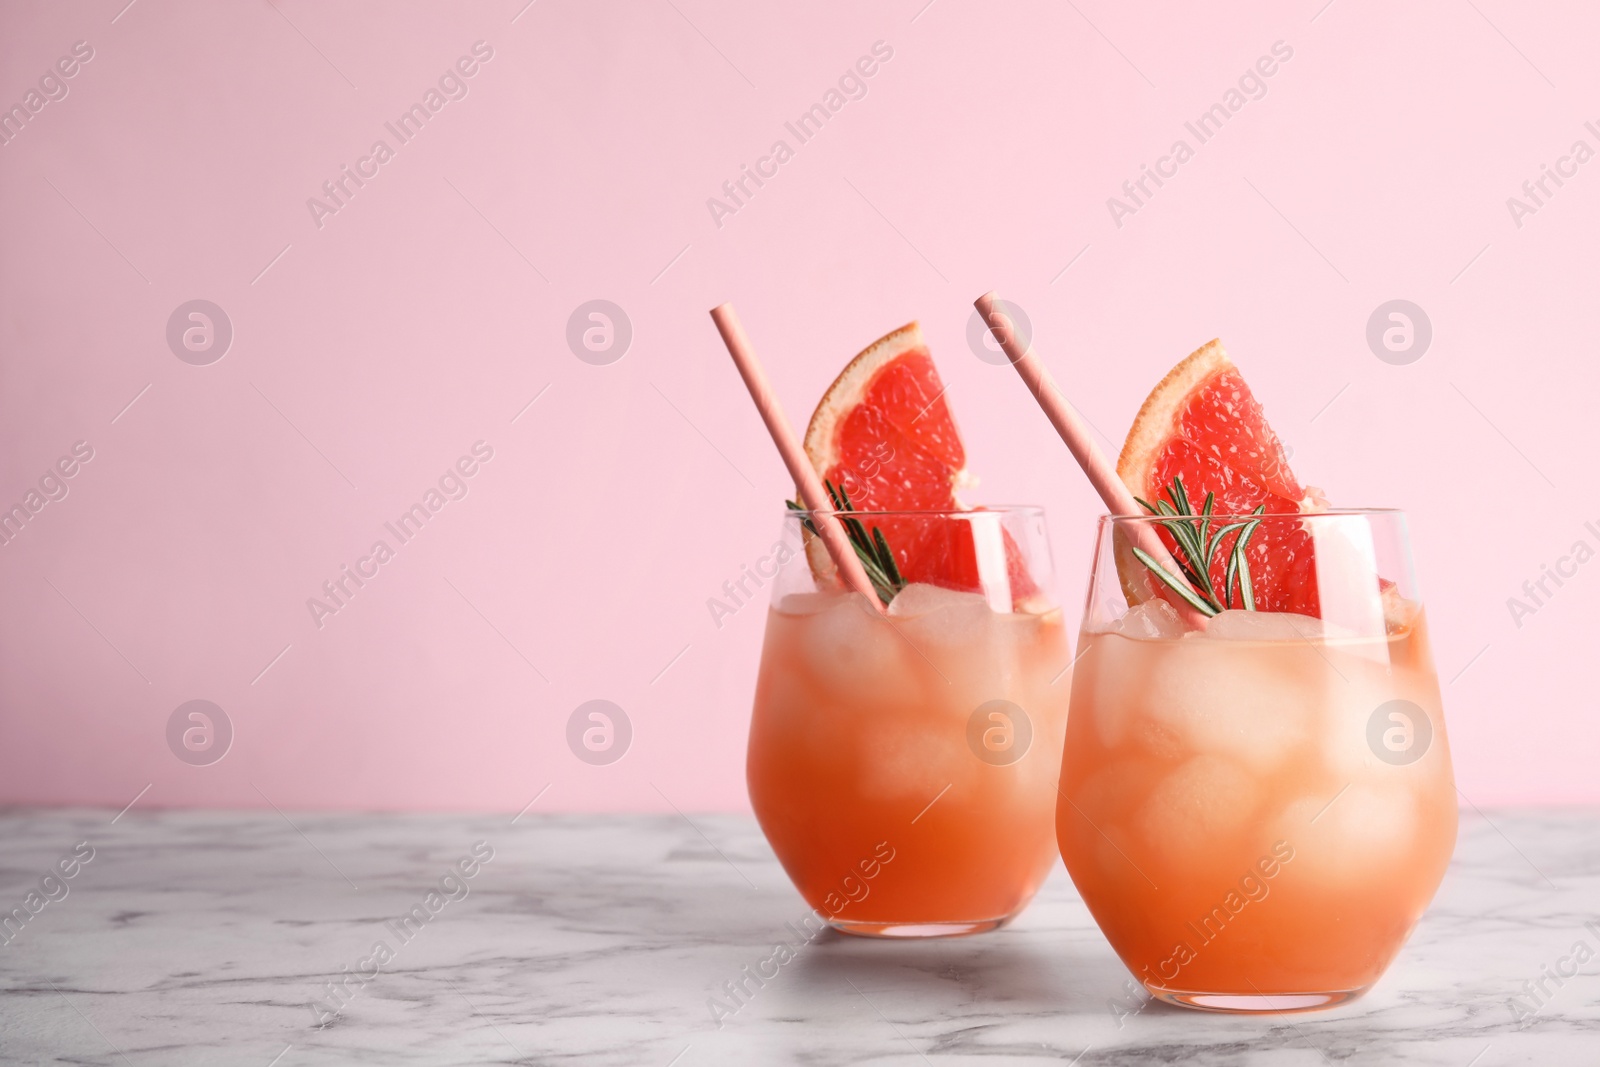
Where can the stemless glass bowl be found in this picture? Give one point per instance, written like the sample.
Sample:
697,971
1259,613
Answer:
1258,814
904,767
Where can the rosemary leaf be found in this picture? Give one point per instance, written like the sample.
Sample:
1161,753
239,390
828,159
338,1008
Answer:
1182,558
1177,585
806,522
1247,595
1179,495
1195,556
858,536
890,567
1197,545
1234,559
873,551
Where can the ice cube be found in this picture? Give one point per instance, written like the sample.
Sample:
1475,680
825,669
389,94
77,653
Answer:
1109,692
943,619
1249,702
1237,625
1343,745
956,638
1152,620
1036,649
908,759
806,603
1363,835
1198,808
1398,612
850,649
1110,794
1264,626
919,598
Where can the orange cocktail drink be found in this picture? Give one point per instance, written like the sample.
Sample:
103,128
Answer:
905,742
1258,813
904,766
1256,798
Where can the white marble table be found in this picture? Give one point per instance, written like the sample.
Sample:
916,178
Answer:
204,938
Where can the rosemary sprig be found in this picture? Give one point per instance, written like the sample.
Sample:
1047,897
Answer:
1197,546
1177,585
873,551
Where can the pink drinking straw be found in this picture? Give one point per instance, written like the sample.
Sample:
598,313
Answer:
812,493
1075,432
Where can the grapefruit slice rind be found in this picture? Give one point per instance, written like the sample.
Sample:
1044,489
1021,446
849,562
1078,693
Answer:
1158,415
823,442
1202,423
884,435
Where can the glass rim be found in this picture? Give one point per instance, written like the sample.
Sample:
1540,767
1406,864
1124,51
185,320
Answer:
1330,513
946,513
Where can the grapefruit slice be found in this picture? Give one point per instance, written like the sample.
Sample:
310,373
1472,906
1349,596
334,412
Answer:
884,433
1202,423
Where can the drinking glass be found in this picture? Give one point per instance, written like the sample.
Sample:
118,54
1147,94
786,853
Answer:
1258,813
904,766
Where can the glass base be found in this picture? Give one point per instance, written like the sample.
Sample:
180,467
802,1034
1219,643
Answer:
1255,1003
917,930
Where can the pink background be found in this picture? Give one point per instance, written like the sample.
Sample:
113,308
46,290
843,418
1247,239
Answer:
430,309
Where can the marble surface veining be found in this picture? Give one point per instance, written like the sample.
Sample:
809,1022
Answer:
210,938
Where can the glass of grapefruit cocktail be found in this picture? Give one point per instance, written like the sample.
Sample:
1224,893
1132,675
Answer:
905,747
931,734
1256,798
